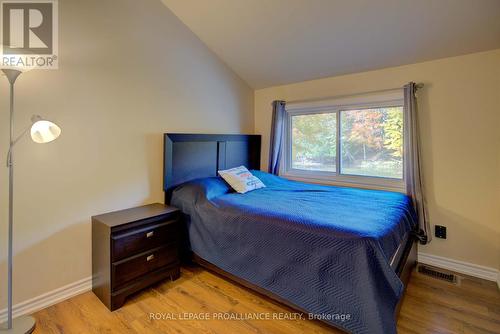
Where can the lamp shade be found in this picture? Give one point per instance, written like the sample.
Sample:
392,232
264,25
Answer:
43,131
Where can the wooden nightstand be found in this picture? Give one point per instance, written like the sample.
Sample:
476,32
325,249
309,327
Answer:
132,249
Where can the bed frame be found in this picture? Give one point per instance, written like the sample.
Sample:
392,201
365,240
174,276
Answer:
191,156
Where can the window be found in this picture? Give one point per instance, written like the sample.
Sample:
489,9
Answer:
314,141
372,142
354,143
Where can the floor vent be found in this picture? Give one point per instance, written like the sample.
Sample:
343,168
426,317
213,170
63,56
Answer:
436,273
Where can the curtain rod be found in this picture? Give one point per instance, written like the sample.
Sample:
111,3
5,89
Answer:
417,86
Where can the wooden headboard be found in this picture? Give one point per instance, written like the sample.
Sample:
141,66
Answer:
192,156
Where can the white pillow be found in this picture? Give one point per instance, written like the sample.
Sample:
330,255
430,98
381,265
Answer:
241,180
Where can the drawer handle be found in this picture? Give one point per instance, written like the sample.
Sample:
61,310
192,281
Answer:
150,234
150,257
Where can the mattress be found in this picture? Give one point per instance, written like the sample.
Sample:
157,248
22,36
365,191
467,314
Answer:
331,251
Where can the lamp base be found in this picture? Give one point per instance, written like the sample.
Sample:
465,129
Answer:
20,325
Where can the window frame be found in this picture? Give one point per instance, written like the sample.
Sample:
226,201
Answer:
337,178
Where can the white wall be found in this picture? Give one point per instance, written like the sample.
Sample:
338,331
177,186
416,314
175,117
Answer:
129,71
460,119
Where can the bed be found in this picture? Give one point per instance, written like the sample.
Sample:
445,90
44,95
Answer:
340,255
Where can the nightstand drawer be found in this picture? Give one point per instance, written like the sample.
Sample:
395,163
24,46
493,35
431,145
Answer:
136,266
131,242
134,248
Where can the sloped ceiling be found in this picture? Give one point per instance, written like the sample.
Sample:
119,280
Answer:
272,42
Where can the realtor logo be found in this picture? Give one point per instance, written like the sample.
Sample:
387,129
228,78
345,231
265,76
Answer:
29,34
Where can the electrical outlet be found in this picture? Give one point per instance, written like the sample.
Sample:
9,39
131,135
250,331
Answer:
440,231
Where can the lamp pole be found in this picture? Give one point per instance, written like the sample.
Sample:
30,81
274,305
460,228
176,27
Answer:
22,324
11,76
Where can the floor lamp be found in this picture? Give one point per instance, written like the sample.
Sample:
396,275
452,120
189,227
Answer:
42,131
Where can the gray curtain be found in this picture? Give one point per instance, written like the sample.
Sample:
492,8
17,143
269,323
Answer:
277,137
413,164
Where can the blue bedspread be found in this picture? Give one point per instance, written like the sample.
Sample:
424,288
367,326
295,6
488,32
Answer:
325,249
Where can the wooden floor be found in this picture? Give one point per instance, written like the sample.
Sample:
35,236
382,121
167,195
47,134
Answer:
430,306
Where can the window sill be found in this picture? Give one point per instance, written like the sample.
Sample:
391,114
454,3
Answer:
347,181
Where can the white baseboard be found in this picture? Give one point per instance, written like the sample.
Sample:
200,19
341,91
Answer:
58,295
487,273
50,298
